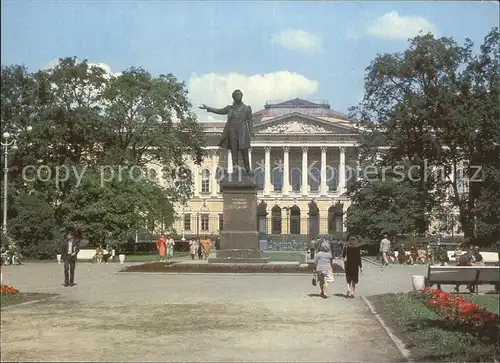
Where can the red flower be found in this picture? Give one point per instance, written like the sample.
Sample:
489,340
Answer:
8,290
469,308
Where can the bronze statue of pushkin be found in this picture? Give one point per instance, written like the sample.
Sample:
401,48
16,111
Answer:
238,130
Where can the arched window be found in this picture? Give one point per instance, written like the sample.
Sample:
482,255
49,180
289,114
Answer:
335,219
331,178
314,179
205,181
262,217
277,179
295,220
296,179
259,178
276,220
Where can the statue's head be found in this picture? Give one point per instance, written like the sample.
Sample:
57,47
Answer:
237,95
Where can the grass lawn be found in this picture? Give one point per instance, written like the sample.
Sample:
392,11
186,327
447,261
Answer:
284,256
424,335
22,297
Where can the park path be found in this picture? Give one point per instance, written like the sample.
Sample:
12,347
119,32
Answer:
160,317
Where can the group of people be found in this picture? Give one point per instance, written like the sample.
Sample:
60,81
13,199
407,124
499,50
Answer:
323,265
165,247
102,255
405,255
200,247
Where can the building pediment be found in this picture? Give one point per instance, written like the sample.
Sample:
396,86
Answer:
299,124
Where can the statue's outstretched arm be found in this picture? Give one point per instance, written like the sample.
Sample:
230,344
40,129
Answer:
218,111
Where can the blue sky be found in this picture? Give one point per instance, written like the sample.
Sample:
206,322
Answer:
271,50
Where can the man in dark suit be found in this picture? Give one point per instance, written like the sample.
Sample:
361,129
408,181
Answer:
69,250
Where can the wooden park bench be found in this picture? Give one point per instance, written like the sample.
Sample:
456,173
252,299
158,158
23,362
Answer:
463,275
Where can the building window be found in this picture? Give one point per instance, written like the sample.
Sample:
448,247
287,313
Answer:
187,222
205,181
276,220
221,222
331,179
277,179
259,178
220,174
296,179
204,222
314,179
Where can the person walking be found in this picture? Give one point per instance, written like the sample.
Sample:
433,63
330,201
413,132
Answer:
323,268
170,243
352,264
385,247
69,251
193,248
161,247
200,249
206,247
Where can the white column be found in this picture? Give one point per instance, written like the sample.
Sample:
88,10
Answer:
323,186
213,175
250,158
267,171
229,162
286,170
342,170
196,175
305,172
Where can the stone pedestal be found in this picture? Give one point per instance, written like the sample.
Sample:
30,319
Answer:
239,239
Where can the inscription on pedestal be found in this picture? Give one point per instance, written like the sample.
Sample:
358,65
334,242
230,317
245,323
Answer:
238,204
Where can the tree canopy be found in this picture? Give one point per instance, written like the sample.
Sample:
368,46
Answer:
107,148
434,106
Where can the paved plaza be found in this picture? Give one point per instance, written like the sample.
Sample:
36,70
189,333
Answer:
194,317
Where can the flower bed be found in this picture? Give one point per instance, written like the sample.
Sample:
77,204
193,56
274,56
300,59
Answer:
223,268
460,313
9,290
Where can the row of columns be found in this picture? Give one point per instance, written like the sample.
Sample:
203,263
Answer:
286,172
305,171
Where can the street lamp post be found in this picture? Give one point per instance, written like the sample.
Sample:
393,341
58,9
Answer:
6,144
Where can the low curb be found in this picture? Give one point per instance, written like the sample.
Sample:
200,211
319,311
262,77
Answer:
10,307
400,346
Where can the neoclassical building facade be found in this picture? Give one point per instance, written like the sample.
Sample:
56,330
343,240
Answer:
303,154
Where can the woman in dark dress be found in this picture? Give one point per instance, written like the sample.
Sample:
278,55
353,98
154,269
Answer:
352,264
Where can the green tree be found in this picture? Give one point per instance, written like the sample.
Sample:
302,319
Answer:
33,226
433,106
383,203
96,125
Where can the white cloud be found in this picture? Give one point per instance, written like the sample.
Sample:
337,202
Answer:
395,26
215,89
296,39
